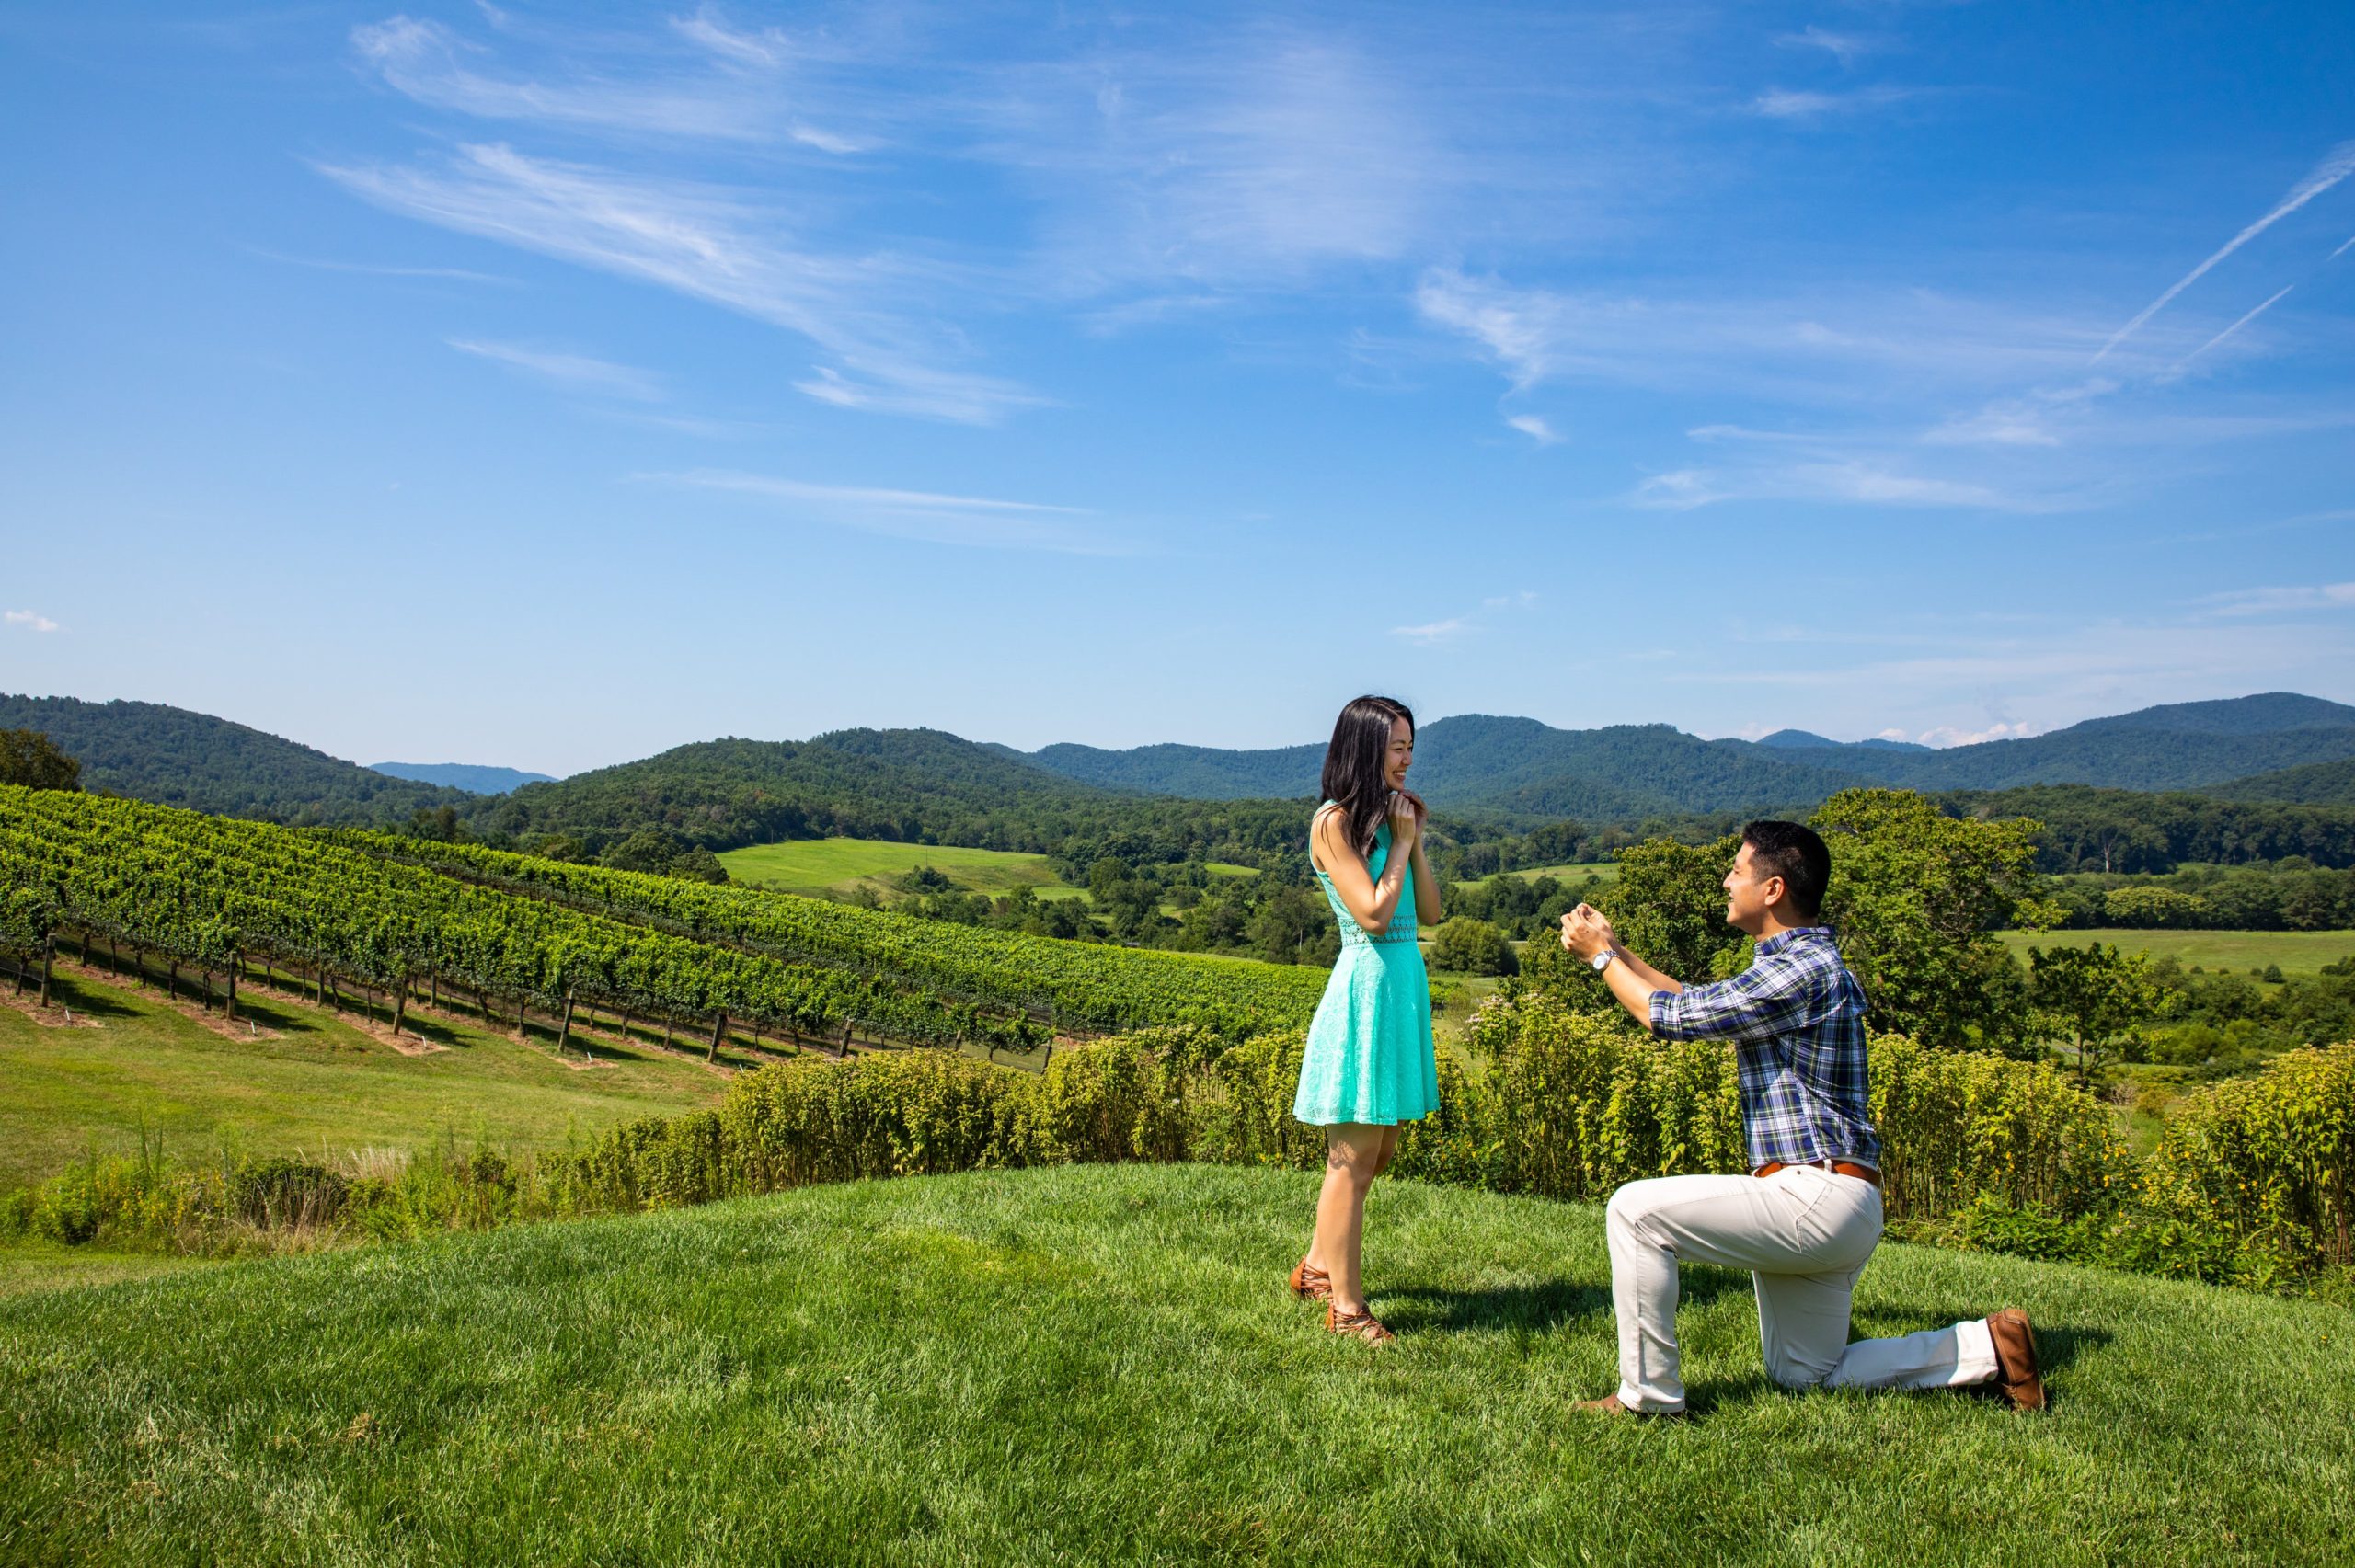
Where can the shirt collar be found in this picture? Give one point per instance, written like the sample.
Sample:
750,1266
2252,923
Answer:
1783,939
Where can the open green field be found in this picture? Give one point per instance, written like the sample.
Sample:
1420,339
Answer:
65,1093
1608,870
841,865
2298,952
1101,1364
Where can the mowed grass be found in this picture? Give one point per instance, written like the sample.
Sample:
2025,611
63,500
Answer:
841,865
2298,952
1101,1364
321,1084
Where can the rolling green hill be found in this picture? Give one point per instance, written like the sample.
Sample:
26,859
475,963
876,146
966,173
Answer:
2312,784
1100,1364
2177,746
174,757
1477,761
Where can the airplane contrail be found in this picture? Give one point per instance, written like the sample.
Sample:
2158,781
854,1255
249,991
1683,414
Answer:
2329,172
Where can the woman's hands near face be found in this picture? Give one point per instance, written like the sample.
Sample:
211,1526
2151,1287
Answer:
1406,822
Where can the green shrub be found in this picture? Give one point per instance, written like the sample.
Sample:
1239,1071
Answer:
68,1207
1103,1102
1577,1103
284,1192
1959,1126
1474,947
2267,1161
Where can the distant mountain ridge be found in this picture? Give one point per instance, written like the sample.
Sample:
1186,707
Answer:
152,752
474,778
1474,762
928,785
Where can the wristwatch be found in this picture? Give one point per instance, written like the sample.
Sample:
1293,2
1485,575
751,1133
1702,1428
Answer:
1602,961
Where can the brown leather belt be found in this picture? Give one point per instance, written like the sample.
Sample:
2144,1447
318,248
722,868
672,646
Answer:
1837,1167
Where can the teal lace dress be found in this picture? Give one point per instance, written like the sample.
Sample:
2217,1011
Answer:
1370,1056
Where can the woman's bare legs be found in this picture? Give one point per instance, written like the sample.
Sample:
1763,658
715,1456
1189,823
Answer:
1354,1155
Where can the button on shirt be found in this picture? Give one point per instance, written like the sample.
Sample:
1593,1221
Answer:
1797,1020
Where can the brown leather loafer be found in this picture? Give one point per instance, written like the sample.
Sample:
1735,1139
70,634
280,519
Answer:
2015,1366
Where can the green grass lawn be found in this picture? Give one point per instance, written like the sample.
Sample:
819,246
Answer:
65,1093
2298,952
1100,1365
841,866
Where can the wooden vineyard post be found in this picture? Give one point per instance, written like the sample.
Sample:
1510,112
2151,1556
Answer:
718,1028
48,954
400,1004
843,1053
564,1027
229,1007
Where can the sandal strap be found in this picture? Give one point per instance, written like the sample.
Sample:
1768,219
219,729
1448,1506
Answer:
1365,1325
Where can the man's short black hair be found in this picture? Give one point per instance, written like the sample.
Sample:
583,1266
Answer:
1795,853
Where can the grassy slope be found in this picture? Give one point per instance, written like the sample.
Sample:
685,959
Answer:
321,1083
1101,1364
2295,951
817,865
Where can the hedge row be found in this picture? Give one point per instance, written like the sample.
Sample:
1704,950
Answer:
2251,1184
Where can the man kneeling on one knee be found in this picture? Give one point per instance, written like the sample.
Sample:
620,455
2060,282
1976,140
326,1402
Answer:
1809,1214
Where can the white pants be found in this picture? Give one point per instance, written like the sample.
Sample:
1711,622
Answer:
1804,1234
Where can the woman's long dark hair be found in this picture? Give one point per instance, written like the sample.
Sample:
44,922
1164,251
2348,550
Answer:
1353,762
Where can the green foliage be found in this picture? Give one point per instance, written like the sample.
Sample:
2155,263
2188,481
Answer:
287,1193
1962,1128
2085,828
1669,904
1914,896
1473,947
2267,1161
31,759
178,758
1575,1103
2096,995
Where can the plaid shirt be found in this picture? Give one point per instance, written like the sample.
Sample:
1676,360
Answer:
1797,1019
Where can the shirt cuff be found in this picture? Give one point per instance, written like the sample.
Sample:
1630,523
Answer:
1660,1010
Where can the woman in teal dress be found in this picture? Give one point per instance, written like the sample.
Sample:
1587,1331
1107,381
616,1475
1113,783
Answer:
1371,1065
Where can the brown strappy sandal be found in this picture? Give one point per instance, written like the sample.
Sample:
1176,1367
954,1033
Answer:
1362,1324
1311,1283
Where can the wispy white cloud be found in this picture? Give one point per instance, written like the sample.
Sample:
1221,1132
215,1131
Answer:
1835,348
1534,426
1847,47
1776,103
2335,166
1686,490
2029,421
976,521
577,372
455,274
1946,735
32,621
427,61
2344,246
1435,634
713,245
1432,634
2280,601
765,48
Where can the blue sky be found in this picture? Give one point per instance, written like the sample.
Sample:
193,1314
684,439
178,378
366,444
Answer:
546,386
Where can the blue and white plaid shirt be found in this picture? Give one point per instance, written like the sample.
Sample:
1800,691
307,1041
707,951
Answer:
1797,1019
